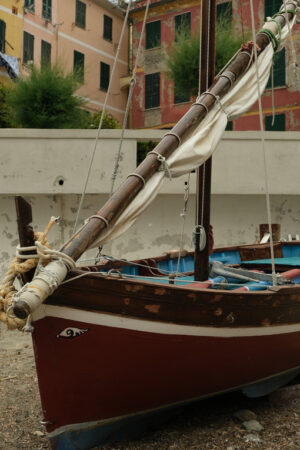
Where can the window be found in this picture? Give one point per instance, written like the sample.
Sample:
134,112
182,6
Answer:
229,126
28,45
79,64
80,14
153,34
180,97
183,23
107,28
2,36
29,4
272,7
47,10
152,89
45,54
279,123
278,70
224,10
104,76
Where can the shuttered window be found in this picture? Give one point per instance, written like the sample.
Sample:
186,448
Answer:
47,9
272,7
45,54
183,23
224,10
2,35
153,34
278,70
28,46
80,14
104,76
29,4
229,126
107,28
279,123
79,64
152,90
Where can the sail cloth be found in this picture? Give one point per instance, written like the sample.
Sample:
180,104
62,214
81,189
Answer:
200,145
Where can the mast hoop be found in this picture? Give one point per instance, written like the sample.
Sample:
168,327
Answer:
201,104
163,161
229,75
138,176
97,216
170,133
217,98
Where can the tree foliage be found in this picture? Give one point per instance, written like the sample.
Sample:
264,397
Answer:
46,99
5,110
183,59
108,120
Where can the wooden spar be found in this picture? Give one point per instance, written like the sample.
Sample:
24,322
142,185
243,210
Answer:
118,202
26,234
203,189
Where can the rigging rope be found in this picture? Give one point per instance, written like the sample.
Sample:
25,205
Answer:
131,88
18,267
103,112
263,144
183,215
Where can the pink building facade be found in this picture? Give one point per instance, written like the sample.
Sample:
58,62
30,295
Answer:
154,101
79,35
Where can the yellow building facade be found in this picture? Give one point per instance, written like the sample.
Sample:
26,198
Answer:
11,30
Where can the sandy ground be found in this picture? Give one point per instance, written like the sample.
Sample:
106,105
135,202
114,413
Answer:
209,424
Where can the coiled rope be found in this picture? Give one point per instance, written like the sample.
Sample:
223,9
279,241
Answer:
19,265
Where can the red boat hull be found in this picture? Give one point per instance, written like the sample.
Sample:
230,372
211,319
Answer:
109,372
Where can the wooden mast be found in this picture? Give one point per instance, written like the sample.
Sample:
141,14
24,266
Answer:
203,189
119,201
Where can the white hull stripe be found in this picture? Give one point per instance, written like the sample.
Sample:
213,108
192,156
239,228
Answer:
86,425
147,326
94,49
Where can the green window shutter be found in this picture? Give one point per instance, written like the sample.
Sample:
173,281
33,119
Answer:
224,10
278,70
104,76
47,9
80,14
2,36
279,123
29,4
229,126
152,90
153,34
79,64
107,28
45,54
180,97
183,23
272,7
28,47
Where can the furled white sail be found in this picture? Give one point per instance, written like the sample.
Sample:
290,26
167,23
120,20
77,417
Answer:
198,147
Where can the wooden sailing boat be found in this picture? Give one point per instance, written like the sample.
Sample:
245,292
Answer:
125,340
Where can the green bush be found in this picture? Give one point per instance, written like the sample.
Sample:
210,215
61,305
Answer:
183,59
46,99
108,120
5,109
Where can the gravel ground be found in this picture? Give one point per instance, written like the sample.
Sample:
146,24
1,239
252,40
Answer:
210,424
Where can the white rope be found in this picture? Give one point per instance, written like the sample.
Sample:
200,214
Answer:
263,145
164,163
43,254
183,215
103,112
131,88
